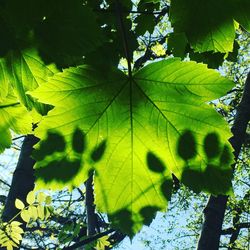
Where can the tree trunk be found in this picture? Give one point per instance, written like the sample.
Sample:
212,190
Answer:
22,181
90,207
216,206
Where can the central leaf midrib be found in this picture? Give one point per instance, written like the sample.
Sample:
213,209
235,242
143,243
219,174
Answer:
107,107
131,82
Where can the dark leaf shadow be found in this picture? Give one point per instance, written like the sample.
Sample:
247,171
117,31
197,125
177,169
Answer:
98,152
61,170
226,156
154,163
211,145
123,219
61,159
78,141
216,176
53,143
187,146
148,213
166,188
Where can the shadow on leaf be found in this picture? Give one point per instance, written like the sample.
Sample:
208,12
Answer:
226,156
61,159
61,170
123,219
53,143
221,179
78,141
154,163
148,213
98,152
187,146
215,175
212,145
166,188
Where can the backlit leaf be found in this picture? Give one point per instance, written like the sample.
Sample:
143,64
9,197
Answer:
26,72
41,197
25,215
40,212
15,117
31,197
143,121
4,86
19,204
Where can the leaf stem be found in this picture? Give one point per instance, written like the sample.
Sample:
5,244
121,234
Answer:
124,36
89,240
19,137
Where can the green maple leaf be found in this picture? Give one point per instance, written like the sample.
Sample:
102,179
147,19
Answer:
137,131
15,117
20,71
209,25
26,71
4,86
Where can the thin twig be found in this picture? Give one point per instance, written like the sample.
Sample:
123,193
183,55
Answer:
230,230
89,240
5,183
130,11
19,137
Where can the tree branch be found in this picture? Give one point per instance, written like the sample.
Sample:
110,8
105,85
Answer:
89,240
124,36
90,207
216,206
230,230
5,183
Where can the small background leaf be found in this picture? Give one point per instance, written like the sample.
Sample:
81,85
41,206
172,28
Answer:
19,204
31,197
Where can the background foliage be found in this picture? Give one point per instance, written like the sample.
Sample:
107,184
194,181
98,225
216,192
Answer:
97,83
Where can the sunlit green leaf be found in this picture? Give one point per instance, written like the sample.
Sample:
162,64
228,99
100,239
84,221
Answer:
26,72
15,117
40,211
48,200
142,120
5,84
19,204
33,212
41,197
31,197
25,215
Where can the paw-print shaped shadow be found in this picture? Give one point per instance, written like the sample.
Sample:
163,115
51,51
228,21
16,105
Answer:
61,160
211,170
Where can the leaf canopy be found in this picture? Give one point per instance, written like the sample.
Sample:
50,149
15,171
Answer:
26,71
139,128
207,32
133,132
